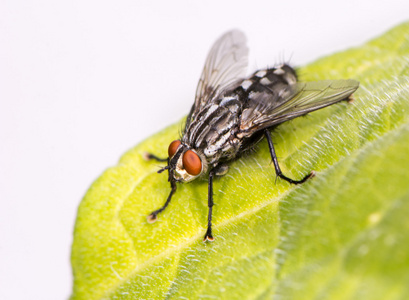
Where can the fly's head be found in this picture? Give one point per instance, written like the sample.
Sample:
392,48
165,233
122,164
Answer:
185,164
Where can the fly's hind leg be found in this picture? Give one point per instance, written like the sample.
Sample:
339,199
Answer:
277,167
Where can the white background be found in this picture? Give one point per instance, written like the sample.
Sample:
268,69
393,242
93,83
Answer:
81,82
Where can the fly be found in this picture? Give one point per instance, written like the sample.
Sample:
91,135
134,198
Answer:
232,113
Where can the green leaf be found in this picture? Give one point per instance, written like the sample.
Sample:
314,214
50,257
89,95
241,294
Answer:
341,235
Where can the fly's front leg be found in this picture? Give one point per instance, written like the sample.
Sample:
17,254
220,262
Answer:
219,170
277,167
150,156
153,216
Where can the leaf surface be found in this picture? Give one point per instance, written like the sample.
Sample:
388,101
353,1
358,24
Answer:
341,235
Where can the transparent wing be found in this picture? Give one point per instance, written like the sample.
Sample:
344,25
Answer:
269,108
225,63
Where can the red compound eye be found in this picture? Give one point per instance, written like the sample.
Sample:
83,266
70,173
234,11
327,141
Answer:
192,163
173,147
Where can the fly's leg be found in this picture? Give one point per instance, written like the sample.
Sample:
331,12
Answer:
208,236
277,167
153,216
219,170
150,156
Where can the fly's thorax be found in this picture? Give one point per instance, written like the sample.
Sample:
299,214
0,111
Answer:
212,132
186,163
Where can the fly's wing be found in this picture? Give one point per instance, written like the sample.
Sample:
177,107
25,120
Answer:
269,107
225,64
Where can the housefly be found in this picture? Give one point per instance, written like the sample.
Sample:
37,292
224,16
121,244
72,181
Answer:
232,113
